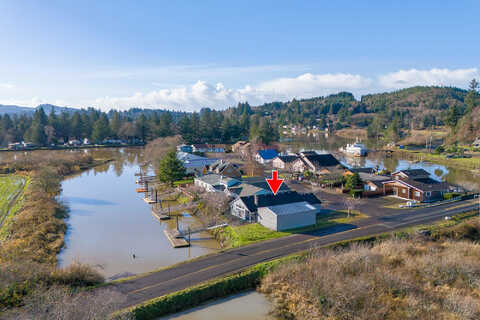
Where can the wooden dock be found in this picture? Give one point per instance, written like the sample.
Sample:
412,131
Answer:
176,239
160,216
149,200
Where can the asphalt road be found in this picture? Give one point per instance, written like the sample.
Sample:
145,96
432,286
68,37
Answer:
211,266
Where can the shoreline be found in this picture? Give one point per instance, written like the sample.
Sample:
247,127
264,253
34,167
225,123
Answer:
59,148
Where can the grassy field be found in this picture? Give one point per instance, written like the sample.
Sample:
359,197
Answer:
463,163
250,233
10,188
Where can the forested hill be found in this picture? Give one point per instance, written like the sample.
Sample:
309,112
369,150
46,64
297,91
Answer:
419,106
384,113
390,115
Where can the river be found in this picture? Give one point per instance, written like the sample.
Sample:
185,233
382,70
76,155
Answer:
109,222
250,305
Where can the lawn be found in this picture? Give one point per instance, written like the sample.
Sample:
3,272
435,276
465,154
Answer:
250,233
182,182
10,185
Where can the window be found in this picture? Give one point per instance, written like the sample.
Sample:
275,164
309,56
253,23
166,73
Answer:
428,193
404,191
417,194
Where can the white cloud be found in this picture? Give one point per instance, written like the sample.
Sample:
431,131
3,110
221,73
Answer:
6,86
435,77
203,94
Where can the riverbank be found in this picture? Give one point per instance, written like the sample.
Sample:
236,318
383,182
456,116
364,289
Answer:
80,147
33,233
463,163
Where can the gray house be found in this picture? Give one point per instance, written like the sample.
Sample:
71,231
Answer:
288,216
246,208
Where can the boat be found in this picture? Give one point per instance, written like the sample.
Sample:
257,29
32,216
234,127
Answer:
356,149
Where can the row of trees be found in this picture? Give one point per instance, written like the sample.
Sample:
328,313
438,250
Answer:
383,114
206,126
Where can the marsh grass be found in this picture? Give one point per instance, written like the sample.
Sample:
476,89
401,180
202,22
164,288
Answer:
415,277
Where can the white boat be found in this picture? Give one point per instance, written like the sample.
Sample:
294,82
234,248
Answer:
356,149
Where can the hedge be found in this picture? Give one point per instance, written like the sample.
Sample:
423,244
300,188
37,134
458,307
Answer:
194,296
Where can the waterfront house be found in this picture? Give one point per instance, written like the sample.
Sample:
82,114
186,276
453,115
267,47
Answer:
266,156
320,163
235,187
416,184
15,146
199,147
225,168
288,216
194,164
284,162
74,142
246,207
217,148
215,182
238,145
185,148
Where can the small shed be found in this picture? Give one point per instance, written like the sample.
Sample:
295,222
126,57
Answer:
288,216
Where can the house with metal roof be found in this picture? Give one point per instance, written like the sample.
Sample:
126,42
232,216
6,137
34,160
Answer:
266,156
236,187
194,164
247,207
288,216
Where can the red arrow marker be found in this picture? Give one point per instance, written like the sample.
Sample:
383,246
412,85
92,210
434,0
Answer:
274,183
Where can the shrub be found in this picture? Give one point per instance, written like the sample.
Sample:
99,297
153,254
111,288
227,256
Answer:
439,149
394,279
451,195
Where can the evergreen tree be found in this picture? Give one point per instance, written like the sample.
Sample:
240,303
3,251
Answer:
170,169
141,127
36,135
77,126
101,129
115,123
453,116
353,181
471,97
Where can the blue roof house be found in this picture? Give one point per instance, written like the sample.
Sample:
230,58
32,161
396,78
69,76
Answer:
266,156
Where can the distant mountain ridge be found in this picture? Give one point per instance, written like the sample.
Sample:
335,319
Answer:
13,109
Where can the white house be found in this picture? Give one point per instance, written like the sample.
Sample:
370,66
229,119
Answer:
266,156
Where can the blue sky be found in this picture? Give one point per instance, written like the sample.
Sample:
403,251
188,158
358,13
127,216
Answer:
189,54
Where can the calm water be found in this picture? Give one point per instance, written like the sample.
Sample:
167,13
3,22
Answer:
251,306
451,174
109,222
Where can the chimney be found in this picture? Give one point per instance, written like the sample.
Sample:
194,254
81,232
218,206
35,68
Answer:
255,199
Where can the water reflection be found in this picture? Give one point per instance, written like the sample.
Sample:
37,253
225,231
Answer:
451,174
250,305
109,221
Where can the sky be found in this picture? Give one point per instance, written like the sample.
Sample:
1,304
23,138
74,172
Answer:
185,55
